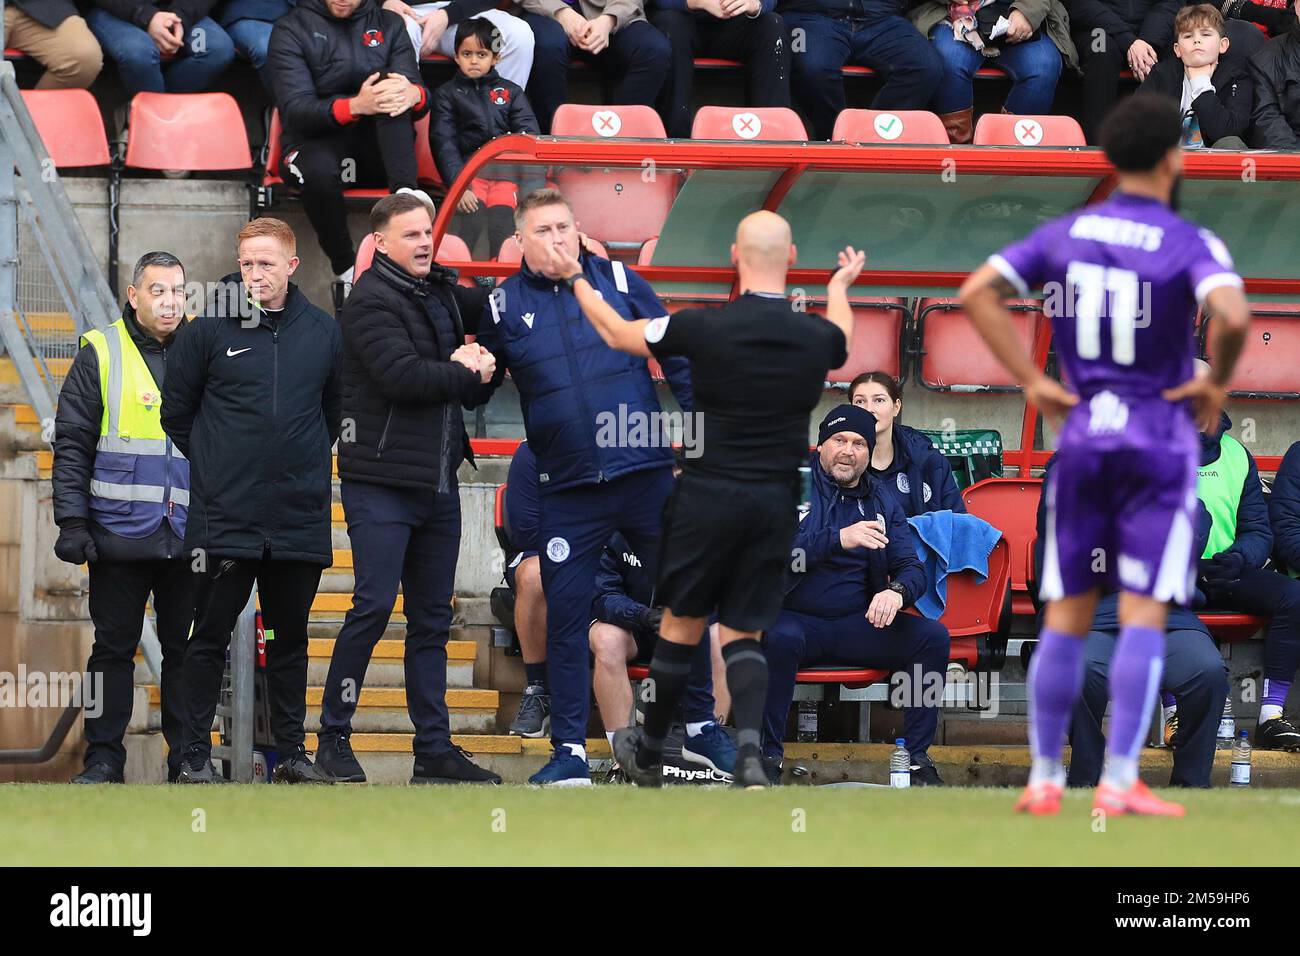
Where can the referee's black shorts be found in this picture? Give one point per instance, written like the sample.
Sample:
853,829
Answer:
726,547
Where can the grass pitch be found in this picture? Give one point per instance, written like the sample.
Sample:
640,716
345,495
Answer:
796,826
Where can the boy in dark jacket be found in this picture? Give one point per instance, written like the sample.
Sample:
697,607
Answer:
1214,93
473,107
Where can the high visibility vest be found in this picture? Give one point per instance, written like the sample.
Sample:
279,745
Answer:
1219,485
140,477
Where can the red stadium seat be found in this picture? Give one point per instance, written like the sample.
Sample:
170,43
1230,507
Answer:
743,123
511,254
877,333
1011,506
646,256
890,126
1231,628
451,249
1269,366
70,126
426,169
1004,129
976,609
201,132
954,357
616,206
848,676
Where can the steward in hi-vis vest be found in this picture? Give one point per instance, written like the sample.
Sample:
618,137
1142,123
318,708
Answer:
121,497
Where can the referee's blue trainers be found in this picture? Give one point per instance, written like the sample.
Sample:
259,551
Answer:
564,769
712,748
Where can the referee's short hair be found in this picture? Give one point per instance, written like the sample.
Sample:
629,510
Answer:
164,260
536,200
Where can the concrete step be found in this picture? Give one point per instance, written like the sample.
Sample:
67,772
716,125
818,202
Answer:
386,661
382,710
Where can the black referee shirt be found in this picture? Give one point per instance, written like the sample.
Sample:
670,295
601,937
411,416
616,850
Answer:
758,366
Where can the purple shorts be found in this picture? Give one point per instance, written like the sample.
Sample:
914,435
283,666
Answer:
1120,519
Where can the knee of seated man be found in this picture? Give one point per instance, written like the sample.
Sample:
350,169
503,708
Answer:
609,642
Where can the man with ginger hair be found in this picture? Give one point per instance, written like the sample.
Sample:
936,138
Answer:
729,523
253,399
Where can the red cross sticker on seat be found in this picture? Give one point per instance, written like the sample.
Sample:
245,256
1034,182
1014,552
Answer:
1029,132
746,125
606,122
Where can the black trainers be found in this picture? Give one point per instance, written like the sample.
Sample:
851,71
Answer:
924,772
454,766
1277,734
534,717
772,767
627,741
99,773
750,773
197,768
298,768
334,755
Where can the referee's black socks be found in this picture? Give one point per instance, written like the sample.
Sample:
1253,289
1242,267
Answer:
670,669
747,681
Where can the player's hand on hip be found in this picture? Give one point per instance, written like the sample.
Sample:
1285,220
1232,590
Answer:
1207,398
864,534
1051,398
884,606
851,262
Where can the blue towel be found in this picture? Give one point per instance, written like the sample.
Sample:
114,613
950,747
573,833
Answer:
947,542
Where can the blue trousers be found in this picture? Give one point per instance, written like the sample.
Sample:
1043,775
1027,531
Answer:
1034,67
1196,675
206,53
820,46
635,62
576,524
802,640
412,537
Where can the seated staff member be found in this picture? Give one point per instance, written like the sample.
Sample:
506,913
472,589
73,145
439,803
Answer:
905,462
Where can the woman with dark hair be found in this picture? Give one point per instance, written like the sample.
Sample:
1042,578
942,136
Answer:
905,462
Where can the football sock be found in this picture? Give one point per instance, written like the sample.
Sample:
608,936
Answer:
747,680
1055,676
1275,692
695,728
1167,700
670,668
578,750
535,674
1135,672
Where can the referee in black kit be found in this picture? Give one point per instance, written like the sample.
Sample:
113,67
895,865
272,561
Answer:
729,522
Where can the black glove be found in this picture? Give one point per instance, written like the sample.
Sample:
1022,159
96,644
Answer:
648,619
74,544
1222,571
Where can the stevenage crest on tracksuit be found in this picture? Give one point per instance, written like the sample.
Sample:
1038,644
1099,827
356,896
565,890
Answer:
1122,282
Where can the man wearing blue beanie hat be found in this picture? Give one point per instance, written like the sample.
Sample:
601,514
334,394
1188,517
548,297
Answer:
854,570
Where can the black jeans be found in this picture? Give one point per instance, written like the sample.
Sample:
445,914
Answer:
761,43
412,537
119,591
374,151
1196,675
1260,591
286,589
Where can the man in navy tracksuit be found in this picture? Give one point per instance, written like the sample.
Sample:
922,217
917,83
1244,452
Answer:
854,570
624,628
598,472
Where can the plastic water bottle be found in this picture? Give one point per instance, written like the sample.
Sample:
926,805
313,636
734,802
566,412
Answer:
1241,762
900,765
807,722
1227,727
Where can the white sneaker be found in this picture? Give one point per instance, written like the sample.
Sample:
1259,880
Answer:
421,195
344,279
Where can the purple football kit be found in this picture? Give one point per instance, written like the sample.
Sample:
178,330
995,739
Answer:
1122,282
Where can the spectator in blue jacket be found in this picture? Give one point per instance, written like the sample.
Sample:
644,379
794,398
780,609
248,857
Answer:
594,423
1194,682
905,462
249,24
854,569
625,627
1233,573
744,30
1282,652
137,34
827,34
